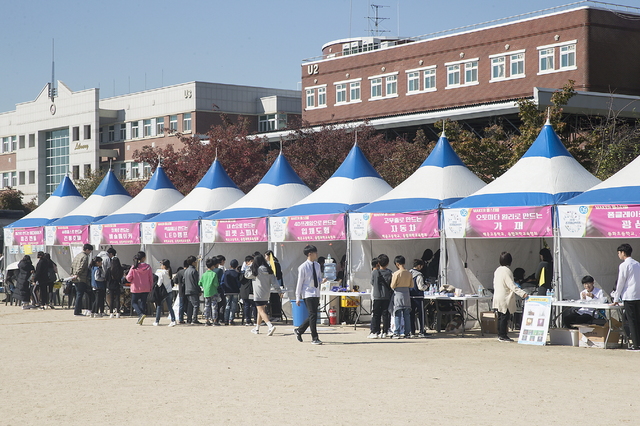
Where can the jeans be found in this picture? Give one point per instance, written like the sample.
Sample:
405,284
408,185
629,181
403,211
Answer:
194,304
169,301
231,307
380,311
632,314
402,314
98,301
139,303
312,307
222,307
503,319
81,289
417,311
211,308
249,310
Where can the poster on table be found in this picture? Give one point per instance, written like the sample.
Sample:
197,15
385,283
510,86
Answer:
24,236
180,232
499,222
599,221
536,316
234,230
115,234
321,227
66,235
393,226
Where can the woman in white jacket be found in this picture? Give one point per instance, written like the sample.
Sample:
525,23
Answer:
504,291
164,279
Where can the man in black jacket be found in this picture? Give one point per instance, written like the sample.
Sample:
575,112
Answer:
192,290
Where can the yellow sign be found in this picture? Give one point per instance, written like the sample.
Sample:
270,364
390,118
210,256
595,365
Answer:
28,249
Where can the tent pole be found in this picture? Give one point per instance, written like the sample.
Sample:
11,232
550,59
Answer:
443,249
347,267
557,258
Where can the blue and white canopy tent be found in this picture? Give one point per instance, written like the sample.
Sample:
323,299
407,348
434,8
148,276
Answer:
353,185
592,226
169,235
441,180
545,176
122,227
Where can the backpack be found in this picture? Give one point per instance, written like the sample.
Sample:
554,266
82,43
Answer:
155,280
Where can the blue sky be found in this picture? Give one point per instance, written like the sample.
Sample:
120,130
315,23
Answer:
122,46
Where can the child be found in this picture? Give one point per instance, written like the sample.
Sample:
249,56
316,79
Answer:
209,283
381,293
99,286
401,282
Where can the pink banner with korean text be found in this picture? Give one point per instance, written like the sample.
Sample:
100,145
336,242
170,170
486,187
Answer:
393,226
234,230
322,227
67,235
24,236
179,232
116,233
499,222
600,221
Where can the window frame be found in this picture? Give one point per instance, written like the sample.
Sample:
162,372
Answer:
453,70
322,97
563,54
354,89
471,67
512,63
413,78
497,63
310,95
187,122
376,82
173,119
146,128
159,126
135,130
547,57
341,93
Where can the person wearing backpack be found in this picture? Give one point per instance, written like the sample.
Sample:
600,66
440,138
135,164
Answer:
381,294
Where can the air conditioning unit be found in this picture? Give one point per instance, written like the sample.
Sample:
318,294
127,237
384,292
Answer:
385,44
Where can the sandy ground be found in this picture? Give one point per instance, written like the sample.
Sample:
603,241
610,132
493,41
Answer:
61,369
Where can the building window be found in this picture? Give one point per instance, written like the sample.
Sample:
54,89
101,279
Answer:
376,87
32,140
173,122
517,65
146,128
267,122
392,85
568,56
322,96
21,178
546,59
21,143
122,173
112,133
5,144
14,179
135,171
101,135
471,72
87,131
413,82
6,180
341,93
57,158
76,133
497,68
453,75
311,98
160,126
32,177
123,131
354,91
135,131
146,170
75,172
186,122
14,143
87,171
430,79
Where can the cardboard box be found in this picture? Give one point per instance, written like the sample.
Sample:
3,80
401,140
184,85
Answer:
489,322
564,336
593,336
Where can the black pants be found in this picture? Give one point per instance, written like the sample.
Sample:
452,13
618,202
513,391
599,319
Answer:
632,313
417,312
98,300
222,305
81,289
114,299
380,311
573,317
249,307
310,323
503,319
45,290
275,305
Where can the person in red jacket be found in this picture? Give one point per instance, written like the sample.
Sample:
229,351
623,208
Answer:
141,279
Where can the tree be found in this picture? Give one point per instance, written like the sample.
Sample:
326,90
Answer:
11,199
89,184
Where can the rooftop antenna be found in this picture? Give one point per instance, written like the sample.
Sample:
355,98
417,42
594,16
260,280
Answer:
52,85
443,124
376,20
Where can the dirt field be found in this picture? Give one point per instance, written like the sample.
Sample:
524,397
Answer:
61,369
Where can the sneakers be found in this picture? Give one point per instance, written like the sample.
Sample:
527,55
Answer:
25,307
118,315
112,315
298,334
271,330
217,324
255,331
505,339
141,319
155,324
397,336
407,336
384,335
249,324
372,336
196,322
316,342
172,324
208,323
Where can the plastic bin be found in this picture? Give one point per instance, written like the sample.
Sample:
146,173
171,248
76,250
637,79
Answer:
299,313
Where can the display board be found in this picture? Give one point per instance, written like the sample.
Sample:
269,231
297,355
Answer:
536,316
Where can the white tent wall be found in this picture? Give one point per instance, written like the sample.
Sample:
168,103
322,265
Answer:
482,256
61,255
597,257
236,251
124,252
175,253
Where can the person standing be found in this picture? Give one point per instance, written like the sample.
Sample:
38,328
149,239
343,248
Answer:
81,276
308,288
381,294
113,275
141,279
417,298
44,277
401,282
504,291
192,290
99,287
275,297
183,303
246,293
210,284
25,270
262,278
231,287
544,273
164,275
628,292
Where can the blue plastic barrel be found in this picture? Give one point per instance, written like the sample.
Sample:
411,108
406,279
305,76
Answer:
300,313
